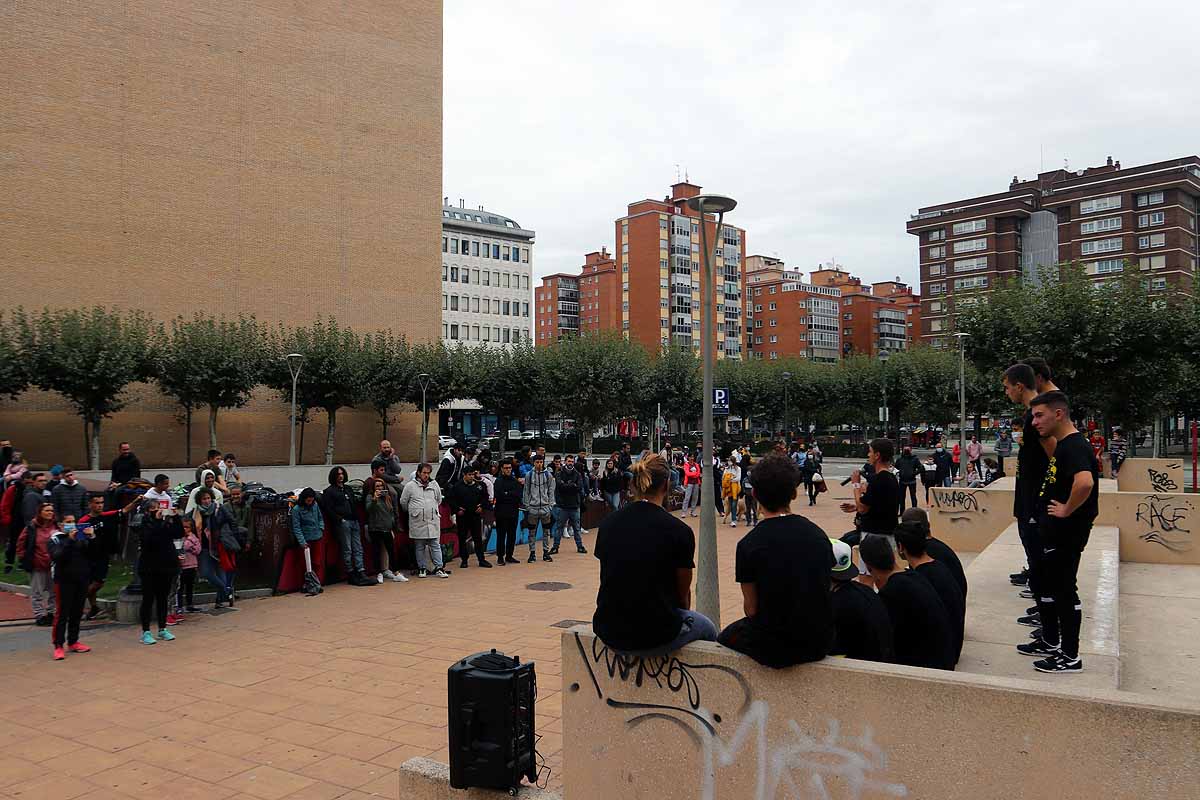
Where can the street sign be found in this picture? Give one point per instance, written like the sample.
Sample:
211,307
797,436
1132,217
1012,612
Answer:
883,414
720,402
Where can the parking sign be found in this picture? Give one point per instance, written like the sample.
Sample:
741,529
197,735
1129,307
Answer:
720,403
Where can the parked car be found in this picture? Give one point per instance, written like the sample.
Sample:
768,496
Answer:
446,441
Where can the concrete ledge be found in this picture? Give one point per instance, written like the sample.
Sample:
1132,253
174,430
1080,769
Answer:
425,779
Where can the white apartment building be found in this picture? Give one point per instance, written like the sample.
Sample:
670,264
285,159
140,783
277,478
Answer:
487,277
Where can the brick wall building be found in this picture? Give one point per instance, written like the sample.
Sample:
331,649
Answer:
227,157
875,317
557,308
787,317
1109,218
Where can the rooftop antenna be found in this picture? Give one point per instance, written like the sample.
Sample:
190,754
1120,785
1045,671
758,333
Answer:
1066,165
677,173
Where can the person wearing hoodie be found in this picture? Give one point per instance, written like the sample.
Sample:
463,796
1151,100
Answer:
69,496
506,490
943,466
382,504
908,470
538,502
308,528
158,562
422,500
337,501
450,470
567,493
208,480
72,571
33,553
467,499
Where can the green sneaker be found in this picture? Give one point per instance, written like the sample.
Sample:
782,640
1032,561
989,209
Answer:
165,635
148,638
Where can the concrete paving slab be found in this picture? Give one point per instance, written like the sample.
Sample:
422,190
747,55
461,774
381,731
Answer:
1160,629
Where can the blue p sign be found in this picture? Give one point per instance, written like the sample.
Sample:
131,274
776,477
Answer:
720,401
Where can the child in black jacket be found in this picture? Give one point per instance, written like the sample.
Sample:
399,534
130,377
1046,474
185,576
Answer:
71,571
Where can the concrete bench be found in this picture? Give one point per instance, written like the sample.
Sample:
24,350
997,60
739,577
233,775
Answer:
707,723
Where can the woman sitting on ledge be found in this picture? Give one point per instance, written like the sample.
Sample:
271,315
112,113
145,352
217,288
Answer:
646,563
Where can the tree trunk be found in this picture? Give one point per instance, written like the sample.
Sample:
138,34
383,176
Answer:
332,412
1157,437
94,446
187,445
502,435
87,438
587,439
212,426
384,417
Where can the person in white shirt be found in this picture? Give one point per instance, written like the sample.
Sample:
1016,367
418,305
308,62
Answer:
159,492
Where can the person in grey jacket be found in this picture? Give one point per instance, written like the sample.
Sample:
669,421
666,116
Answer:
391,465
538,501
421,500
69,496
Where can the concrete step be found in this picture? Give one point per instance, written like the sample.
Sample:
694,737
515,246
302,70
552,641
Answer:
1160,629
993,605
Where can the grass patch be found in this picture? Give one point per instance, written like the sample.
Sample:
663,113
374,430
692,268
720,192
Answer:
120,575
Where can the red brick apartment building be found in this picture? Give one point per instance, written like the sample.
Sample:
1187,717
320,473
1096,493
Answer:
1109,218
589,301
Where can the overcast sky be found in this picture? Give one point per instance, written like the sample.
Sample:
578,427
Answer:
829,123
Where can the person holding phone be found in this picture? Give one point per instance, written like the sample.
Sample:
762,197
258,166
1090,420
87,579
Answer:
158,565
72,572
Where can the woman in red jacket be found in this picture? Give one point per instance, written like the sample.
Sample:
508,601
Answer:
33,552
691,486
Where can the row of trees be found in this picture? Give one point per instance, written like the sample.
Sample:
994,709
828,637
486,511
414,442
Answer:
1120,353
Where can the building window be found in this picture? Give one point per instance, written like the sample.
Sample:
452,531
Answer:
937,269
771,307
524,255
1152,262
1152,219
524,309
445,247
466,275
487,278
935,325
979,282
453,331
937,288
1158,284
1100,204
445,331
445,272
507,276
1101,246
1153,240
968,264
445,302
937,252
774,323
454,246
970,246
1100,225
454,302
474,304
1149,199
970,226
847,317
1105,266
507,336
774,339
935,306
772,290
935,235
496,251
758,307
487,333
486,251
758,323
475,252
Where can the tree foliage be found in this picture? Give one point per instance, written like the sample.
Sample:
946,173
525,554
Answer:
598,376
390,370
14,370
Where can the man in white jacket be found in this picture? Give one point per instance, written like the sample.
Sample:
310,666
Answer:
421,501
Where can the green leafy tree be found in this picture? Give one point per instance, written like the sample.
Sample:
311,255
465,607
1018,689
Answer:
14,369
451,372
510,381
595,378
333,375
390,370
672,380
90,357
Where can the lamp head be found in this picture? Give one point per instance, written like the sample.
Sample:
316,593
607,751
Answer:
711,203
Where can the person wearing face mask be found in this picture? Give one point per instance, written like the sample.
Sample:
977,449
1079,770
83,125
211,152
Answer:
33,552
208,480
158,563
70,496
421,500
908,471
217,542
72,571
943,466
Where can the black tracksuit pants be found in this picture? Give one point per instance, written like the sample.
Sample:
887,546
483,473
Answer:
470,527
155,588
68,610
506,536
1062,617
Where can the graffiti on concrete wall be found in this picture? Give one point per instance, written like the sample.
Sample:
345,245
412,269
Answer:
800,764
1161,481
1166,521
962,505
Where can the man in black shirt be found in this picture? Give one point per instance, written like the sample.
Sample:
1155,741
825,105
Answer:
863,629
921,626
1069,502
1032,459
467,500
911,541
877,504
783,566
937,549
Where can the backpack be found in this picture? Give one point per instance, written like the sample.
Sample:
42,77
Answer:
312,584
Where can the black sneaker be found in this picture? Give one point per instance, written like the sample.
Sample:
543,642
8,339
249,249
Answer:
1031,621
1036,633
554,550
1032,610
1059,663
501,561
581,549
532,556
485,564
1019,578
45,621
511,560
546,556
1037,647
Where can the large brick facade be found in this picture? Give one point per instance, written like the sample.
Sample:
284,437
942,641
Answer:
269,157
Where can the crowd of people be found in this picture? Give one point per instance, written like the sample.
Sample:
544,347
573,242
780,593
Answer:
903,599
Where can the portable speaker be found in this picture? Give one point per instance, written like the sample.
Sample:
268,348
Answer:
490,706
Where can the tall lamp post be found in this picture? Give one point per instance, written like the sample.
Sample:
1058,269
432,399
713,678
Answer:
294,361
962,402
423,380
708,586
883,359
787,381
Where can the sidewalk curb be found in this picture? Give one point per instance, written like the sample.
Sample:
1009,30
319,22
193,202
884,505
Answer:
110,606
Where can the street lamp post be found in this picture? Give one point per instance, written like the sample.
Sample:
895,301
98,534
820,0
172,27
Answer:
423,380
294,361
962,403
883,359
708,587
787,380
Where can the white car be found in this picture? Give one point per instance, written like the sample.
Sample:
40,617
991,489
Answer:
446,441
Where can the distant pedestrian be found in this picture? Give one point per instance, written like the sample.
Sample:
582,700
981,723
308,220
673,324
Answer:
1117,449
70,496
33,554
158,564
125,467
467,499
975,454
611,482
943,466
507,493
422,500
955,461
691,487
908,472
567,494
72,570
731,489
338,505
1004,448
538,503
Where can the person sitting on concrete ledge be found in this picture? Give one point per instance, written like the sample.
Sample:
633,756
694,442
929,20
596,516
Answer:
911,541
643,607
937,549
863,629
783,566
920,622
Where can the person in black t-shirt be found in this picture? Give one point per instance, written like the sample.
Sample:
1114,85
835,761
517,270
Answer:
921,627
863,629
1068,502
911,541
646,563
878,505
783,566
1032,459
936,548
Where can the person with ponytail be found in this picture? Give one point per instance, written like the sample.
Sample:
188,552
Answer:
647,557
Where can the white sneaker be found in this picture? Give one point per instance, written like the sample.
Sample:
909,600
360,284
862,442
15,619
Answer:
441,573
389,575
379,578
399,577
422,573
733,524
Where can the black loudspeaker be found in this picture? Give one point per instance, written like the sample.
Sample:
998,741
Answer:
490,706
